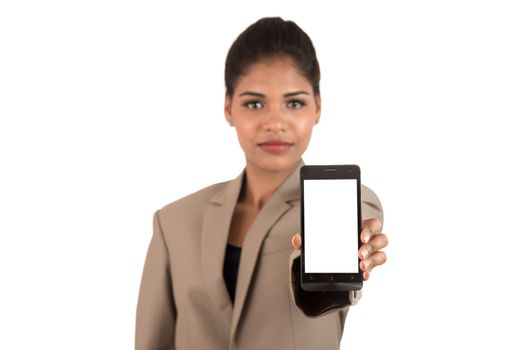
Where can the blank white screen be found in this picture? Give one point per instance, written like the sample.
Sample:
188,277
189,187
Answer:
331,226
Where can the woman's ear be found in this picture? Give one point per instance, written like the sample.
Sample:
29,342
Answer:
227,110
318,103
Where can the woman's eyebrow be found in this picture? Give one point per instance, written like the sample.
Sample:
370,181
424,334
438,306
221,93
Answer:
290,94
258,94
251,93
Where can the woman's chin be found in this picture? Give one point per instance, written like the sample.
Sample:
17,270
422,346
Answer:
276,165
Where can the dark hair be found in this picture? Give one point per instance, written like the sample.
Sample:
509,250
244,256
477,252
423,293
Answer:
271,37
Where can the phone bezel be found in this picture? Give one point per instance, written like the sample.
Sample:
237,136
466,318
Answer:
329,281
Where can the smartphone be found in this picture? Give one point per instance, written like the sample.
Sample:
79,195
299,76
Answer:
331,220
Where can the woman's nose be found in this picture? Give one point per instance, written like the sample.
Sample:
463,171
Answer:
275,120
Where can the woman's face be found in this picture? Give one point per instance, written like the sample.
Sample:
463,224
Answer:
273,109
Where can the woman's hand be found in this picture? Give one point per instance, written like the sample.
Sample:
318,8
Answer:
370,253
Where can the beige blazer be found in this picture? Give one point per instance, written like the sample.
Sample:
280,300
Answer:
183,301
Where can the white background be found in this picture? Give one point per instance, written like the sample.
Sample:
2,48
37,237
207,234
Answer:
330,215
112,109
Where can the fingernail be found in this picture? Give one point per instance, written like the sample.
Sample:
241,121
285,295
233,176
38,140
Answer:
364,253
366,265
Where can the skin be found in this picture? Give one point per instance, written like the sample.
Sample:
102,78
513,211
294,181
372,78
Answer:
274,101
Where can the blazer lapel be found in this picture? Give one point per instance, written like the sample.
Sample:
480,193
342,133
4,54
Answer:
215,233
270,213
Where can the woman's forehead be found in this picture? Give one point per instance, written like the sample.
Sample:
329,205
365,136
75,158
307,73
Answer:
278,75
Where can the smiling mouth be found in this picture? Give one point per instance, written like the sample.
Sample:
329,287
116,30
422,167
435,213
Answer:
275,146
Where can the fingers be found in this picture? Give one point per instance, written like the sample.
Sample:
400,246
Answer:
378,242
296,241
366,275
370,252
370,227
374,260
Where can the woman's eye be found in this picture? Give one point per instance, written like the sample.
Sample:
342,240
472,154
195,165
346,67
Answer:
295,104
253,104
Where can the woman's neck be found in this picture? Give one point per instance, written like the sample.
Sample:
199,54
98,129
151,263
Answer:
260,185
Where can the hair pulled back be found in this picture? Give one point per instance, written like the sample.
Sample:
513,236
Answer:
271,37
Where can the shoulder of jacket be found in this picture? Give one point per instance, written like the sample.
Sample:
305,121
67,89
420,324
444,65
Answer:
372,207
368,192
200,197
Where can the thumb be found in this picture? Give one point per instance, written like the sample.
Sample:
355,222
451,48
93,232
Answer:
296,241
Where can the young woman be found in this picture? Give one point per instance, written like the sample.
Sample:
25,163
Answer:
219,272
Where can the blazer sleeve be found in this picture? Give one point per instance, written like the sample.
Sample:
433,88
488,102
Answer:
156,310
316,304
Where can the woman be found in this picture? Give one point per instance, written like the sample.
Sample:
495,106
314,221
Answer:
219,272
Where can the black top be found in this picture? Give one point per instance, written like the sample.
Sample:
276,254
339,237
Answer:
231,263
311,302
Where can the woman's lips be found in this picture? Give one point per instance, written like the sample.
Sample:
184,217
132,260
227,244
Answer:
275,146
